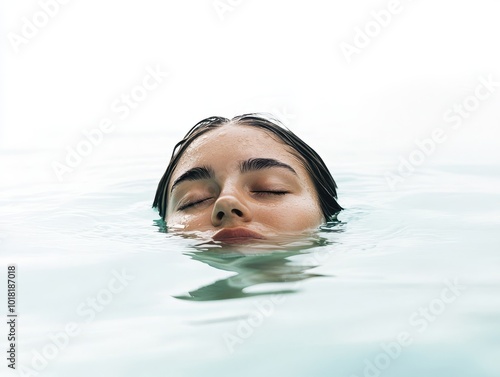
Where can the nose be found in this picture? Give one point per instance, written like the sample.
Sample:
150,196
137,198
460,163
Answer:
229,209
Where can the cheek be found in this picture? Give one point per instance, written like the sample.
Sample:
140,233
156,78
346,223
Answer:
305,215
297,214
188,222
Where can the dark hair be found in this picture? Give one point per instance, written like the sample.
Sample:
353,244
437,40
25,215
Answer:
319,173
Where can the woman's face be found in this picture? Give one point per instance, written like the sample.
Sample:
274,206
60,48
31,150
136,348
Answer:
238,184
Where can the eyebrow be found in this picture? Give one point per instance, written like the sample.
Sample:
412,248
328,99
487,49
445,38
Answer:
194,174
252,164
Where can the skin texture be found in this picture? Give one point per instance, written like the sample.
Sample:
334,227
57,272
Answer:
232,199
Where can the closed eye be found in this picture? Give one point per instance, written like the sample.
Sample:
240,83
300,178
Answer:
268,192
192,204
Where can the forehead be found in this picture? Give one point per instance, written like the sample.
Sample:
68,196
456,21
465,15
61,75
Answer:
225,147
231,144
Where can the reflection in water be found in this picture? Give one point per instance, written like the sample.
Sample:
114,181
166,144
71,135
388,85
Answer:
252,267
258,264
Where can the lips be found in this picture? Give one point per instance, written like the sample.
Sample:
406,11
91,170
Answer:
236,235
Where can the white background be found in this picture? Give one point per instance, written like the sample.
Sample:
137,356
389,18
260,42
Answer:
282,56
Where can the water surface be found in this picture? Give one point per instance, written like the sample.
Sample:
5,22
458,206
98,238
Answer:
405,284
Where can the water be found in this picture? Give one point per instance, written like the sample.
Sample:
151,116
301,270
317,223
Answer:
405,284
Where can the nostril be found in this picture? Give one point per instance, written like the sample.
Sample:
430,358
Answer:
237,212
220,215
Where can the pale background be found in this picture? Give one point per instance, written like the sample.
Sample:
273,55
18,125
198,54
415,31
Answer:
282,57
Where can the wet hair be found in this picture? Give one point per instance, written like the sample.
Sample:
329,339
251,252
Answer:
326,188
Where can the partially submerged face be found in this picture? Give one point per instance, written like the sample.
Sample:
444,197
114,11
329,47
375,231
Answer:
238,183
